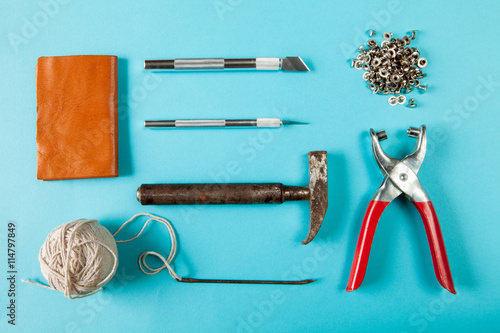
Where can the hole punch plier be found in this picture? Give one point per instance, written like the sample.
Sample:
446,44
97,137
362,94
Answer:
401,178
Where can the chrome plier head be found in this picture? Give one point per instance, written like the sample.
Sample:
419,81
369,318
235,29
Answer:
401,177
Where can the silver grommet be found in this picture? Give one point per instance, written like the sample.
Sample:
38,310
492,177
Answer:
421,62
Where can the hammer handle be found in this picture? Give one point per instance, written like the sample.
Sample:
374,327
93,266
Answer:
191,194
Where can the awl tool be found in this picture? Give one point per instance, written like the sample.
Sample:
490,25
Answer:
290,64
295,282
401,178
146,269
189,123
188,194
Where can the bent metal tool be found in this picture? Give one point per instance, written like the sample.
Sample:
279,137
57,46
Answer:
289,64
296,282
188,194
190,123
401,178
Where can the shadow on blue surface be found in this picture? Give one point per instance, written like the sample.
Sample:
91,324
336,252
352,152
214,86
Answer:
124,156
338,192
155,238
357,217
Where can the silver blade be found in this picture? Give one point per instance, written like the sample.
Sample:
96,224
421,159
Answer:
294,64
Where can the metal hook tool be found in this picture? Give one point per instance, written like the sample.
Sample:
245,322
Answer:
296,282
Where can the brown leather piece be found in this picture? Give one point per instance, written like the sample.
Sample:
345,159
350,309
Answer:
77,117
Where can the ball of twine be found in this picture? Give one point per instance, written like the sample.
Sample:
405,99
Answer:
79,257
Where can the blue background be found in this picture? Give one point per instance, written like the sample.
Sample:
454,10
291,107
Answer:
400,292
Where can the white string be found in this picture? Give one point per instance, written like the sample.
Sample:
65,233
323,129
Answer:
63,251
69,287
142,258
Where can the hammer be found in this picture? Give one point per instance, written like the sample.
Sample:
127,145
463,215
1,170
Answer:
246,193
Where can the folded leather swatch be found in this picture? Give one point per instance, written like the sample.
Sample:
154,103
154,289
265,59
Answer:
77,117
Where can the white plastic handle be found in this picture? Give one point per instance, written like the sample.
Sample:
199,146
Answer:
268,122
267,64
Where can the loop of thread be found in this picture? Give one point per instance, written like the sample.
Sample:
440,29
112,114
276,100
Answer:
142,258
80,257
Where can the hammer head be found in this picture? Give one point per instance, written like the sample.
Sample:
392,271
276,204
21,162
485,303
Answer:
318,187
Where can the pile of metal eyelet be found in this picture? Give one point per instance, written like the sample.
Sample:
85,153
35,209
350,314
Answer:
393,67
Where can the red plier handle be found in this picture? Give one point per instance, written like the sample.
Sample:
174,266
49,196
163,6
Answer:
436,244
434,236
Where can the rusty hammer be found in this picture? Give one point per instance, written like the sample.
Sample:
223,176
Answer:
189,194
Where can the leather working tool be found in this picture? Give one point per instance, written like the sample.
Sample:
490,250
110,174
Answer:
189,123
188,194
401,178
289,64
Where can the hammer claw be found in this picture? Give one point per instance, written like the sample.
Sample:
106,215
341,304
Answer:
318,186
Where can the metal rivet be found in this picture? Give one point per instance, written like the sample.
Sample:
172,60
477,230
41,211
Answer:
393,100
423,88
371,32
421,62
412,33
